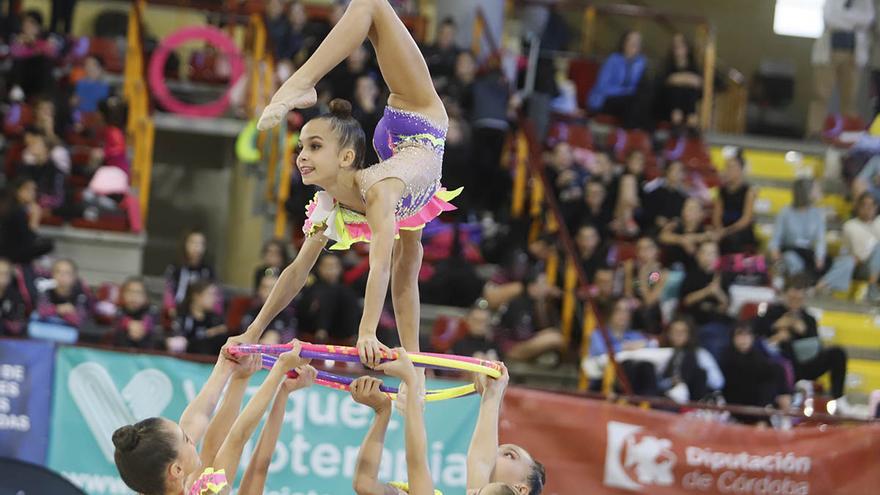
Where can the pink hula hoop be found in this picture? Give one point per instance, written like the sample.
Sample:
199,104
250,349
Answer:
156,77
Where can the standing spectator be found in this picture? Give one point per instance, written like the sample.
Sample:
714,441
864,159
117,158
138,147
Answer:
441,56
665,203
93,87
203,328
19,219
839,56
690,365
620,90
644,279
681,236
798,241
641,374
192,266
492,108
275,257
478,341
791,331
367,109
325,307
277,28
682,84
458,92
750,377
12,307
591,251
283,328
136,324
704,298
529,325
62,16
733,212
861,250
32,55
67,303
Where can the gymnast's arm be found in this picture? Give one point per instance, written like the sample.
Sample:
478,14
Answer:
229,408
195,418
484,443
365,390
291,281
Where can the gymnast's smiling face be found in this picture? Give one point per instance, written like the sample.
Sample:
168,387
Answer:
513,467
320,157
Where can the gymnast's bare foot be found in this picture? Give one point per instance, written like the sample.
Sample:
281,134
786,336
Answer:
288,97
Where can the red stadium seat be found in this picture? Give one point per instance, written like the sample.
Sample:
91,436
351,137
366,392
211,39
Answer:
584,73
238,306
111,224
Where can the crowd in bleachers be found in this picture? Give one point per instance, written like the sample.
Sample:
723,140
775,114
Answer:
661,235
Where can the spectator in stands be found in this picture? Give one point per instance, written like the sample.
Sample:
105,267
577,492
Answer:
19,220
620,90
644,279
93,87
325,307
750,377
493,108
507,284
478,342
442,55
665,203
839,56
529,325
192,266
12,307
344,76
457,169
567,181
861,250
203,328
681,236
603,293
68,302
367,109
594,210
641,374
592,252
32,55
733,212
682,85
137,324
606,173
113,151
38,164
629,213
690,365
798,243
276,257
283,328
277,28
62,16
791,331
458,90
704,298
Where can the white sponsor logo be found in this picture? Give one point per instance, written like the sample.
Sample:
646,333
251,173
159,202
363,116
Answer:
647,458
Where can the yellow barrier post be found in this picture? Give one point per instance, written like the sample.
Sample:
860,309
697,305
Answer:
589,326
520,175
589,29
477,36
708,80
284,187
552,268
149,134
568,298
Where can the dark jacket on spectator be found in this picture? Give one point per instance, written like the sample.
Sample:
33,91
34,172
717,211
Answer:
329,307
177,280
47,307
12,311
148,317
18,242
749,379
764,327
195,331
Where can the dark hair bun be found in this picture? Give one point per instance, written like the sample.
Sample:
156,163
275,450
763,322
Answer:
126,438
341,109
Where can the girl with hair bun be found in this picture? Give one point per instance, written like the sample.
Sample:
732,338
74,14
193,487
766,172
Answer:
386,204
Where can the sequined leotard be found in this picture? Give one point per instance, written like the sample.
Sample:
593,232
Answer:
410,147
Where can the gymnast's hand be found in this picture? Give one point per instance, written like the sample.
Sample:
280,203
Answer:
306,379
490,387
365,390
246,366
370,350
401,368
290,359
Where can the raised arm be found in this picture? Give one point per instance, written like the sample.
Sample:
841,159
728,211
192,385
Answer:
291,281
195,418
229,408
365,390
254,479
484,442
382,200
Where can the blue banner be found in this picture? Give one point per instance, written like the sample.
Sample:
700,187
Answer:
25,398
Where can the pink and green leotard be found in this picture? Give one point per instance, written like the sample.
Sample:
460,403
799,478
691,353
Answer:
410,147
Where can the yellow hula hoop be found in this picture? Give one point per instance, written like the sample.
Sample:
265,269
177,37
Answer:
455,364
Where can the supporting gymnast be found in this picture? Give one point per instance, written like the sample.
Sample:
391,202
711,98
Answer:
387,203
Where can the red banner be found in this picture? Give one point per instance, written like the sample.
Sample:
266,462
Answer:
594,447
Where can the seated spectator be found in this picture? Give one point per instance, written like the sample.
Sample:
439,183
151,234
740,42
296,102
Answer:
644,279
606,173
704,298
277,28
681,236
276,257
478,342
750,377
67,302
860,250
12,307
791,331
192,266
629,211
19,220
664,203
345,75
368,110
93,87
49,125
441,57
283,328
620,90
113,151
690,365
641,374
733,213
32,54
325,308
300,36
137,324
603,292
593,211
529,325
798,244
203,328
38,163
682,85
592,253
567,181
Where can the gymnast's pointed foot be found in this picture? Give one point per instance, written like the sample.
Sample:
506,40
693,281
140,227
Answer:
288,97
